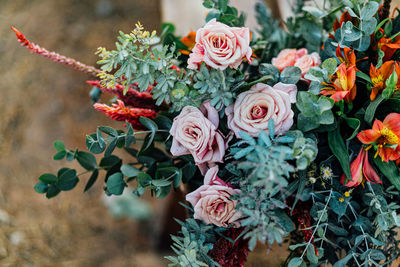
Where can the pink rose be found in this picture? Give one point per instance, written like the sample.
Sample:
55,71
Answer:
288,57
307,61
254,108
220,46
212,203
194,133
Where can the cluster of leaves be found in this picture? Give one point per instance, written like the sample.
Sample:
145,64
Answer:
263,163
358,35
342,224
136,60
219,86
223,12
290,75
153,169
193,246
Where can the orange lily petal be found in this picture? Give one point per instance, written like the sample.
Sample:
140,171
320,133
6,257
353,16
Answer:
368,136
392,121
378,125
388,153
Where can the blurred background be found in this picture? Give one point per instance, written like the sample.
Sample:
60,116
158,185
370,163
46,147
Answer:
42,101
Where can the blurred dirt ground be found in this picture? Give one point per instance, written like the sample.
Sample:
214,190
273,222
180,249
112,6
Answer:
41,102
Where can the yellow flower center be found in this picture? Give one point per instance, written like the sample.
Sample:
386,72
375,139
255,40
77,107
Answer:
377,79
389,136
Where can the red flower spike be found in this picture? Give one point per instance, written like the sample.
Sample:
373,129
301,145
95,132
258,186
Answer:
228,254
361,170
132,97
119,112
55,56
384,136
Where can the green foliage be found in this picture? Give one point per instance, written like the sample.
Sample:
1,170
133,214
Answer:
314,111
222,11
219,86
266,171
305,150
290,75
358,37
193,246
339,149
136,61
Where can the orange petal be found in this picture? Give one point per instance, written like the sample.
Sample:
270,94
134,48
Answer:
378,125
368,136
392,121
387,69
388,153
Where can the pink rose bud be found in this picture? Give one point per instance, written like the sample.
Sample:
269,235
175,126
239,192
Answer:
220,46
212,203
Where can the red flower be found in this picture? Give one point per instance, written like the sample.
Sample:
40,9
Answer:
132,97
228,254
119,112
343,84
361,170
384,137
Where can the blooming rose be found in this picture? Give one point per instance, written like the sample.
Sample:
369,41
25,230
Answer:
194,133
212,203
220,46
254,108
307,61
288,57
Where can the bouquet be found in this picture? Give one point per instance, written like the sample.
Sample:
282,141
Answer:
285,133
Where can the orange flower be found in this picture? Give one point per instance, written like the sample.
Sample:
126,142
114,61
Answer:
384,137
348,56
189,41
379,77
360,170
343,85
388,46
